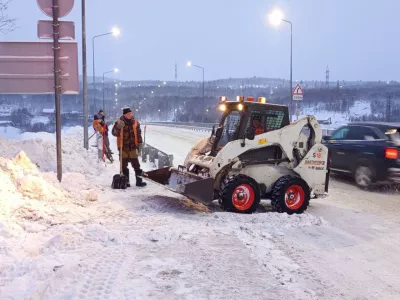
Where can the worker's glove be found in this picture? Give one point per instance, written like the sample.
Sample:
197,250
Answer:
121,124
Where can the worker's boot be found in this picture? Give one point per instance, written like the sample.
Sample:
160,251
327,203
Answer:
126,174
139,178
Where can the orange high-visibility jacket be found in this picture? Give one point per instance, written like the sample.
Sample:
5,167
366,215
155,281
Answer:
259,130
135,131
97,126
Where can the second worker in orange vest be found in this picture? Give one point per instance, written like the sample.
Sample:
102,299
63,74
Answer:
131,143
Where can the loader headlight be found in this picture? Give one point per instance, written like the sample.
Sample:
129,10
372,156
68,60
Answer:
222,107
262,100
240,106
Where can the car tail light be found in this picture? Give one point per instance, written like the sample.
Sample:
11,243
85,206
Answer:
391,153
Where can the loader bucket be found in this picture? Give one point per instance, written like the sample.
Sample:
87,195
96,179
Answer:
195,187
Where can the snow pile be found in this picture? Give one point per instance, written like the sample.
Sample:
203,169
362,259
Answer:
27,193
41,149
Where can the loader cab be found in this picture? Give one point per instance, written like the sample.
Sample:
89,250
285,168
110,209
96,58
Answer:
246,118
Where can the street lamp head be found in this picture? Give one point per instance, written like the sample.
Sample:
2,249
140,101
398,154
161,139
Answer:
189,64
116,70
275,17
116,32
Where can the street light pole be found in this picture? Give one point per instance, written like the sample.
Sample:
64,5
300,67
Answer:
112,71
291,64
275,18
189,64
84,73
114,32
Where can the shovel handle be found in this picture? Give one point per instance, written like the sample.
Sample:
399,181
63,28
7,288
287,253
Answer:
120,151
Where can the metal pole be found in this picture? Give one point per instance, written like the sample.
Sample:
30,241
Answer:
203,89
84,72
94,78
291,68
57,86
104,108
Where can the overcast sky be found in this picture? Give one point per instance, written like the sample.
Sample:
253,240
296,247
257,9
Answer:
358,39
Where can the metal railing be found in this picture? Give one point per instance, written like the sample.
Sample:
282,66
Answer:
185,125
208,126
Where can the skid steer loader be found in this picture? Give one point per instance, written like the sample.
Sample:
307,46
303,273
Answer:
254,153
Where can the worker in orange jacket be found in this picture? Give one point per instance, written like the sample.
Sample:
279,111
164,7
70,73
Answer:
258,128
101,128
130,145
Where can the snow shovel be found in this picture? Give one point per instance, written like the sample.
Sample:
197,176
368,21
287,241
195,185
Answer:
120,181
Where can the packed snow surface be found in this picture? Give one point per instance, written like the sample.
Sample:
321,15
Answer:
79,239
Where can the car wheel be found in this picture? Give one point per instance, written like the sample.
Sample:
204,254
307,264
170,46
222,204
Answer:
363,176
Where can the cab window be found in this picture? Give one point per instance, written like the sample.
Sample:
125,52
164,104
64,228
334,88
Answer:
231,128
265,121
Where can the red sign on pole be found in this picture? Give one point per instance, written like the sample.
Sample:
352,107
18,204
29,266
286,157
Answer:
65,7
67,30
28,68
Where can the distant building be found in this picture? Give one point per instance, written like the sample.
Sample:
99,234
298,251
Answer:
6,110
48,111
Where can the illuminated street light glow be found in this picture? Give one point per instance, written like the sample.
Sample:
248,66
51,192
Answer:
116,32
189,64
165,82
116,70
275,17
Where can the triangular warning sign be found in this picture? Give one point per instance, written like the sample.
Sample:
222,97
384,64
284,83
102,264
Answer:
298,90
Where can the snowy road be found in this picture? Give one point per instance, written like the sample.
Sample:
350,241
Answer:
153,244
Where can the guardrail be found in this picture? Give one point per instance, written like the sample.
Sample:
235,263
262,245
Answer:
208,126
151,154
191,126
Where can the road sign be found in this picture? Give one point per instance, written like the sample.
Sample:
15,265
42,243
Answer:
298,93
67,30
65,7
27,68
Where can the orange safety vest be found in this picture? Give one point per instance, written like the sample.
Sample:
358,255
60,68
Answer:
259,130
134,126
97,126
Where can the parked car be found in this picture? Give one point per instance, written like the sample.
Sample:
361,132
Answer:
369,152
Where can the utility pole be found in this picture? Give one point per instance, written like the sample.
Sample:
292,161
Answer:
327,76
84,73
57,85
389,108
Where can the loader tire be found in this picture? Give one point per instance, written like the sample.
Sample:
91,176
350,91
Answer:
290,195
240,194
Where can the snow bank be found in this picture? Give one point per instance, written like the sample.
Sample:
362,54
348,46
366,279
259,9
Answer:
23,186
41,150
